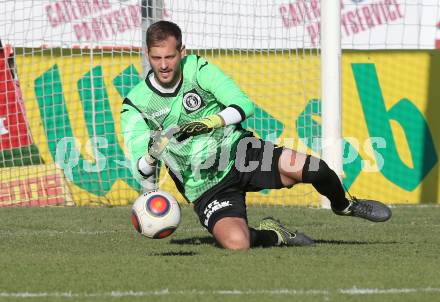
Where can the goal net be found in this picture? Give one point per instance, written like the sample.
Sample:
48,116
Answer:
66,66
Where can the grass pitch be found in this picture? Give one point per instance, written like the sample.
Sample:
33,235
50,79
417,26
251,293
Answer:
94,254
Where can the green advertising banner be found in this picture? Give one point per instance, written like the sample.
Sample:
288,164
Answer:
390,135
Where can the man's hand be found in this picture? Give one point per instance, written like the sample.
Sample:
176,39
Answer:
158,143
202,126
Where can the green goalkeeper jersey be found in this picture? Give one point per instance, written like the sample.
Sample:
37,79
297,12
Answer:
198,163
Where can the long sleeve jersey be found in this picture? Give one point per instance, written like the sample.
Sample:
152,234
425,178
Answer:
198,163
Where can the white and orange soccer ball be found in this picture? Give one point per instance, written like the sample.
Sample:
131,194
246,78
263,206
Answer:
155,214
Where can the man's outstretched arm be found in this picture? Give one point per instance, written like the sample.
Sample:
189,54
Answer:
237,103
137,135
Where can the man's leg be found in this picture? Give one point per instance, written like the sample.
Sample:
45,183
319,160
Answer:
223,214
297,167
232,233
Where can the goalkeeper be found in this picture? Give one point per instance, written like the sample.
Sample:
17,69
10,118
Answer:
187,114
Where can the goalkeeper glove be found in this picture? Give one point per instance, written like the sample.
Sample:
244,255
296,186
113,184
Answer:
202,126
158,143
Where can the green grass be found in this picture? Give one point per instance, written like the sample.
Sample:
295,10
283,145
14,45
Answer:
94,254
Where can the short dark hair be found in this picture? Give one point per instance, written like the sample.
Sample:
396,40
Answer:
161,30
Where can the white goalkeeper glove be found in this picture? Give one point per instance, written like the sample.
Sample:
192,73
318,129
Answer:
158,143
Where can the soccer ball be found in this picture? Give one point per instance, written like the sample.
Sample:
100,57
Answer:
155,214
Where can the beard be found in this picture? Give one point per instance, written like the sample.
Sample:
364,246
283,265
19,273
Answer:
168,83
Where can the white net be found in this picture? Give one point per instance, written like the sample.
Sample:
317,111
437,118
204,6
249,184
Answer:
74,61
276,64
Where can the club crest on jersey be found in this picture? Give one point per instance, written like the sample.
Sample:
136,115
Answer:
192,101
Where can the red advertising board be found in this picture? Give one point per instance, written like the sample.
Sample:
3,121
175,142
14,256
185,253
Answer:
13,127
38,185
437,42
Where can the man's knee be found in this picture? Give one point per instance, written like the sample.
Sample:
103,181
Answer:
236,241
232,233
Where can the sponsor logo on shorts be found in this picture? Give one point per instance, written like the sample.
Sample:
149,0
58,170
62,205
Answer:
213,207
